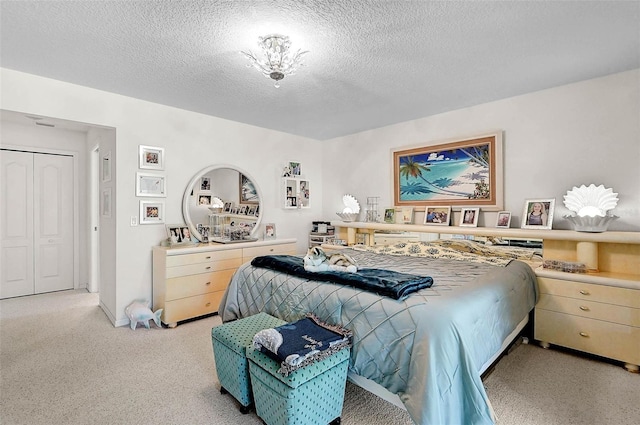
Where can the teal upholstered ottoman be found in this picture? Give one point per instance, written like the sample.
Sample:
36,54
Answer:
230,342
310,395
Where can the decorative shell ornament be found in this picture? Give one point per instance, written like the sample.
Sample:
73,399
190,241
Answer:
591,205
351,209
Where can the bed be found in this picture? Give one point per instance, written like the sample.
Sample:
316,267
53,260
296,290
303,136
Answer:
427,351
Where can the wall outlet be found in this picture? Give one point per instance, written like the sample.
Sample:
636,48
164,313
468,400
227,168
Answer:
134,220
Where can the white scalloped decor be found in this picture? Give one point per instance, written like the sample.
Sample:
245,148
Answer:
590,201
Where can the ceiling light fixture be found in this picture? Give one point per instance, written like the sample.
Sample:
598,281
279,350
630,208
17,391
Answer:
278,61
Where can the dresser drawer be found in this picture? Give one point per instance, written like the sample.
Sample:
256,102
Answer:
187,308
249,254
198,284
587,291
598,337
590,309
212,266
202,257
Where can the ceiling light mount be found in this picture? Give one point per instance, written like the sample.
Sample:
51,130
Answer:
278,61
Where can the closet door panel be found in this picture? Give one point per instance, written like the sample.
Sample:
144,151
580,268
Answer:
16,224
53,226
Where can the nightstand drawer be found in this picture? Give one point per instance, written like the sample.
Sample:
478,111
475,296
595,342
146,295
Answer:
202,257
187,308
587,291
187,286
590,309
212,266
598,337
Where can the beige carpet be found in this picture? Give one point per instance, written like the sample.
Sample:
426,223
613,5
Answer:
62,362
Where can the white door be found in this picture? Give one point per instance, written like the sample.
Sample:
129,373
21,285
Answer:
36,223
53,222
16,224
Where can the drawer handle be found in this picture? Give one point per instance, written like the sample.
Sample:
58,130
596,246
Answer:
208,283
208,257
584,292
207,304
271,250
584,308
584,334
207,268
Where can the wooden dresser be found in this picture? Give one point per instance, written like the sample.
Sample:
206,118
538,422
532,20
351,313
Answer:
596,312
190,281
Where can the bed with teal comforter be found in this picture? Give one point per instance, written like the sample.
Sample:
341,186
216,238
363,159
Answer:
427,348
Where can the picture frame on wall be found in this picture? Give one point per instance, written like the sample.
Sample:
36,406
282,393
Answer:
296,168
151,212
248,191
469,217
269,231
504,219
205,184
437,215
390,215
151,185
150,157
464,172
538,213
204,199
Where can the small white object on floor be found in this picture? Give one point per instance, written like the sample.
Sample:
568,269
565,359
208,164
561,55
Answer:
139,311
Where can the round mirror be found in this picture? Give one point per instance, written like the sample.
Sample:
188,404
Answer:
222,204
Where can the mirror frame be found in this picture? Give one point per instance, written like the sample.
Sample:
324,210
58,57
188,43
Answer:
191,185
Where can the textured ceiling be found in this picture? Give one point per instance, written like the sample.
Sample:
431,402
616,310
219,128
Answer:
371,63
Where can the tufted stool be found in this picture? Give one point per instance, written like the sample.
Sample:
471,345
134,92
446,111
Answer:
230,342
313,394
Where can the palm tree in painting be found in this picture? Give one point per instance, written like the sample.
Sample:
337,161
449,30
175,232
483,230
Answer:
415,169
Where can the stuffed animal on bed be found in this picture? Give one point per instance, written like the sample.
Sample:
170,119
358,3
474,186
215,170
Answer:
317,260
139,311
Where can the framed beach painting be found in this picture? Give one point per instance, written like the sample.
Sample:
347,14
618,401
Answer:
437,215
538,214
465,172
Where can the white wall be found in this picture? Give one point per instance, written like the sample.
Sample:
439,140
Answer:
582,133
192,141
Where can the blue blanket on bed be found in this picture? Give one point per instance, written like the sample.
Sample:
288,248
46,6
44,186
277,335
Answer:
388,283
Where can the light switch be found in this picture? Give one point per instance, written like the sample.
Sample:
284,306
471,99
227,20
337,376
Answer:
134,220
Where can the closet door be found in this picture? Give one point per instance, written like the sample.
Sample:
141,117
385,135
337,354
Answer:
53,222
16,224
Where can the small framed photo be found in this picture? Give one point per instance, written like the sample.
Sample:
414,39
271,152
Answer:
151,158
270,231
205,184
204,199
227,207
469,217
504,219
406,215
390,215
251,210
106,167
538,213
437,215
148,184
204,232
178,233
151,212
